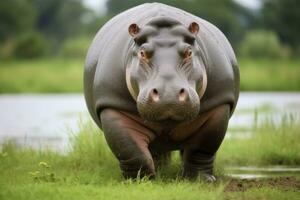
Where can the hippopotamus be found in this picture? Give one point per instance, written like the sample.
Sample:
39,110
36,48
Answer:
158,79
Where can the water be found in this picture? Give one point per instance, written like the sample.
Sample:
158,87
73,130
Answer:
45,121
252,172
40,121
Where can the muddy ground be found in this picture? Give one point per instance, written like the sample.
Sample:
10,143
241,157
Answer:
284,183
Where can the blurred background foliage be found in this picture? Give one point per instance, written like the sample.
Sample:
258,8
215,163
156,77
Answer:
34,28
64,29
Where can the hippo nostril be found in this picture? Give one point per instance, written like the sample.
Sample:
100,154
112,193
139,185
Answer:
182,95
182,91
154,95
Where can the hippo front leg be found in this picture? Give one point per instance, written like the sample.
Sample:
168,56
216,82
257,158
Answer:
129,141
199,151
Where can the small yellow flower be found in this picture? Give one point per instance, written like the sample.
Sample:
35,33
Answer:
43,164
35,173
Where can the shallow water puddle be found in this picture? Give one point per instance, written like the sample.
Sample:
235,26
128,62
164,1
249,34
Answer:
252,172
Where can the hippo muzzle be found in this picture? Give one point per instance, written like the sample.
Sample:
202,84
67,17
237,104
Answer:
168,102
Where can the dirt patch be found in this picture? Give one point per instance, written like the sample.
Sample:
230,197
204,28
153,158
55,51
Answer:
285,183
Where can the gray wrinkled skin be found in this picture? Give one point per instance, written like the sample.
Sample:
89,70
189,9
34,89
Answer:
158,79
164,36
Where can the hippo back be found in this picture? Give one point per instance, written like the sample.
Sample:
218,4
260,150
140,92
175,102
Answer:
104,74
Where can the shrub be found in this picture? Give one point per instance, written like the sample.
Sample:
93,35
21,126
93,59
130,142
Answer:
76,47
262,44
30,45
6,49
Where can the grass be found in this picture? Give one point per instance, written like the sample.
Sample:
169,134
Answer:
265,193
270,144
142,190
89,170
270,75
65,75
55,75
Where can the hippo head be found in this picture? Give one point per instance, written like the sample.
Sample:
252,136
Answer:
165,72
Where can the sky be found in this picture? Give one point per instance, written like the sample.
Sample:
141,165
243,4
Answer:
252,4
99,5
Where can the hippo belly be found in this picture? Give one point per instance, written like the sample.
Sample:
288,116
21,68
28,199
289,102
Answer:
158,79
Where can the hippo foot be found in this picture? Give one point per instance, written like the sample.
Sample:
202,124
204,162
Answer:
138,167
209,178
202,176
199,165
137,175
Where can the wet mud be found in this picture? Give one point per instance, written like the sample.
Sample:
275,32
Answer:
283,183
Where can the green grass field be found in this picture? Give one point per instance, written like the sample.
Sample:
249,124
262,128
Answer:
270,75
55,75
89,170
59,75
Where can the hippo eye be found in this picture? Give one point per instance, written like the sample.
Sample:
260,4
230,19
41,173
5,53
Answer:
143,54
187,53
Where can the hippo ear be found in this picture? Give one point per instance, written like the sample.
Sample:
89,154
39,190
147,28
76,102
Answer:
133,29
194,28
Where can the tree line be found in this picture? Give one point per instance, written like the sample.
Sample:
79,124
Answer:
31,28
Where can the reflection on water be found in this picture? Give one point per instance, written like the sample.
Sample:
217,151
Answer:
40,121
255,108
44,121
261,172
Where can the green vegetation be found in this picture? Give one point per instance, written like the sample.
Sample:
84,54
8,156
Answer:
90,171
41,76
30,45
75,47
269,75
261,44
270,144
53,38
65,75
282,17
50,23
44,29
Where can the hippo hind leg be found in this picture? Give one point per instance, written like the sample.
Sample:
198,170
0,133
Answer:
129,141
199,151
161,158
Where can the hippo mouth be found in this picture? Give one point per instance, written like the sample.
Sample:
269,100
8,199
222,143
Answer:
170,120
170,116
